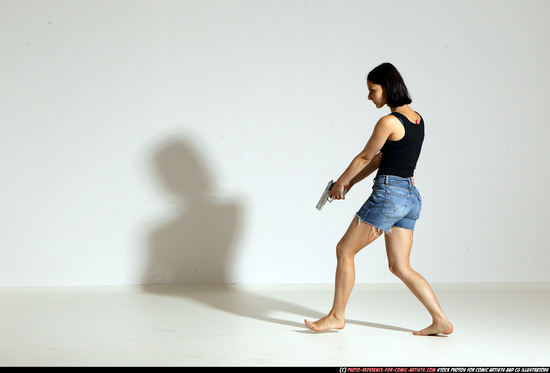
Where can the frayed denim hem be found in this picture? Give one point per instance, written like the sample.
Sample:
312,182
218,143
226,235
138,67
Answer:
376,230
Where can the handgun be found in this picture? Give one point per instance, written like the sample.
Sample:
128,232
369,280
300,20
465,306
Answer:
325,197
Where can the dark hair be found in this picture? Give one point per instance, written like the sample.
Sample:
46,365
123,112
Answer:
389,78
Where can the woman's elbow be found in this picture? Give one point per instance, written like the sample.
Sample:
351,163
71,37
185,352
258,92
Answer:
363,159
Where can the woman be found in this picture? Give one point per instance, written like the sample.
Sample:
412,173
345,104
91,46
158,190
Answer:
394,205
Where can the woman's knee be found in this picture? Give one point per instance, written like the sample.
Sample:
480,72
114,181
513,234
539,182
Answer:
344,251
400,270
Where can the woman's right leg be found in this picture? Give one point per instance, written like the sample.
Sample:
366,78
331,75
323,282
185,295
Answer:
358,236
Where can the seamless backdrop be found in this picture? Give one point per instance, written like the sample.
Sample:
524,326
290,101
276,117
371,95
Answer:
189,141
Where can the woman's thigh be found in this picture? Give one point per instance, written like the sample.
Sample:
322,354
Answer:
399,246
358,235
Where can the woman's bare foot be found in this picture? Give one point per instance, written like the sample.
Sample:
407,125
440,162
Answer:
438,327
328,322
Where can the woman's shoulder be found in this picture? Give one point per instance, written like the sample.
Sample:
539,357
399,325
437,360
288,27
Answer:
388,120
391,117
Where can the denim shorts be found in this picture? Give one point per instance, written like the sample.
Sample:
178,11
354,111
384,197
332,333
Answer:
394,202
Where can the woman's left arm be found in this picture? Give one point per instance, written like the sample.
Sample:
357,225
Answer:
382,130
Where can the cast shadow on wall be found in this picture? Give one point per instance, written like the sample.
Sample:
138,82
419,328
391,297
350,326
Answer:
196,242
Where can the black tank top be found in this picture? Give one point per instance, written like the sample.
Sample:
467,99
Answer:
399,157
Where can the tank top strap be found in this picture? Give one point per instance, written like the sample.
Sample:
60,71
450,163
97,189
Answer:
399,116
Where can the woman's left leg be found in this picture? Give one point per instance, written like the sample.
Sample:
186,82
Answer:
398,249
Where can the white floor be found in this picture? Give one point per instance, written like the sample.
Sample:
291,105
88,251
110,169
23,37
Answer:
262,325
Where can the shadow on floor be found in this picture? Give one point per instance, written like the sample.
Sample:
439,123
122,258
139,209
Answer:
244,303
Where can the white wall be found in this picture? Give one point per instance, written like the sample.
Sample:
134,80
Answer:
188,141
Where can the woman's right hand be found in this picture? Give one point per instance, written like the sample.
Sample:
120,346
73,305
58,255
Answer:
337,191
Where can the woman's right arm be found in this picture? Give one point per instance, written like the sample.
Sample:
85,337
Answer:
372,166
383,129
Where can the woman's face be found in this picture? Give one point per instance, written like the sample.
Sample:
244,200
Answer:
376,94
